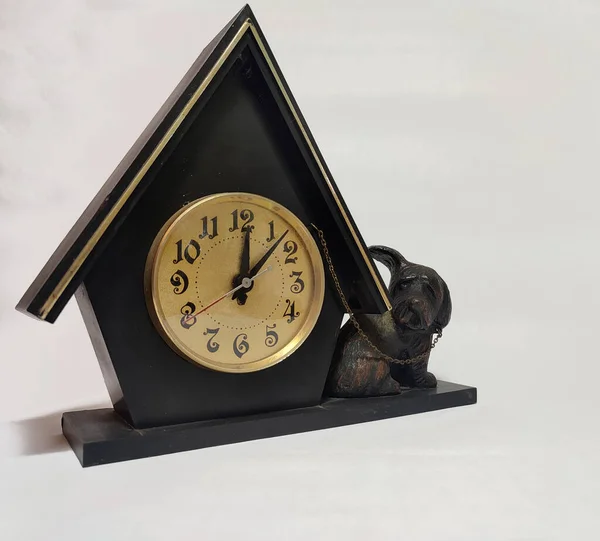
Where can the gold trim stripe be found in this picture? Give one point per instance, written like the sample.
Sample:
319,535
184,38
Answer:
97,235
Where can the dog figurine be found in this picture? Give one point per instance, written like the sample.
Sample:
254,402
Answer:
421,306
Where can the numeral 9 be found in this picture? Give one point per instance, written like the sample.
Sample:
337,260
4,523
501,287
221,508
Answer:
180,282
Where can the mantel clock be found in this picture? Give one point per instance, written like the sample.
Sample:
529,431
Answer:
199,274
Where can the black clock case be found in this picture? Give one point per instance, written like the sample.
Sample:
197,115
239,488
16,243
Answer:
244,134
236,139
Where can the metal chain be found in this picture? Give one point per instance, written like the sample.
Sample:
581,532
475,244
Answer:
423,356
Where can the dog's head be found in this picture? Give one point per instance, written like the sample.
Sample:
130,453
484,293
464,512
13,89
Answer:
420,298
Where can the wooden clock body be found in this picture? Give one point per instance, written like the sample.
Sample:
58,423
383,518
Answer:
232,125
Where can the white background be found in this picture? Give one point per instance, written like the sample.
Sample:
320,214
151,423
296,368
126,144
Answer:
464,133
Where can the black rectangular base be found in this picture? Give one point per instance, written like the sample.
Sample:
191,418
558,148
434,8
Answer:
101,436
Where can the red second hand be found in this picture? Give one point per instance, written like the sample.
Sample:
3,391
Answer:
206,308
212,304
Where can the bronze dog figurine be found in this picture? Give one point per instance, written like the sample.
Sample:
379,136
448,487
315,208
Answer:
421,306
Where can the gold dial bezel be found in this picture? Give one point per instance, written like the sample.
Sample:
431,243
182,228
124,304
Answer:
179,346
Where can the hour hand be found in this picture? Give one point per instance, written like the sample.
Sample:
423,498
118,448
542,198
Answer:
240,294
245,261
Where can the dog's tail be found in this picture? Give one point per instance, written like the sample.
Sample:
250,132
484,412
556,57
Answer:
391,258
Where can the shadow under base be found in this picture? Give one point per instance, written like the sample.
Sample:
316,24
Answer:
101,436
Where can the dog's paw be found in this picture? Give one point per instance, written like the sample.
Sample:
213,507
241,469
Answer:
429,381
389,386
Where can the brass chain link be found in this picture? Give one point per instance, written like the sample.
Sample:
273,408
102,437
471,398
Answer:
423,356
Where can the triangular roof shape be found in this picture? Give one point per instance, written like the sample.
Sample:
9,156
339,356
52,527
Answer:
74,257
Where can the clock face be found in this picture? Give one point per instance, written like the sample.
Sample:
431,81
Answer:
234,282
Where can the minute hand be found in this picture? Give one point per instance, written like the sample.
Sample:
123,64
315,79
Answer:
264,258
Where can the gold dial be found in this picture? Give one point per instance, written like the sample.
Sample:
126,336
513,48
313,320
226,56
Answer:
234,282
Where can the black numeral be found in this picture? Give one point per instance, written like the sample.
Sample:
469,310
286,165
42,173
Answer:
298,285
180,282
190,253
205,233
290,247
188,309
271,231
290,311
272,337
240,345
211,345
245,214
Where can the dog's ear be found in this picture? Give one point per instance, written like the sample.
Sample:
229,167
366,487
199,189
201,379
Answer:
392,259
443,316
